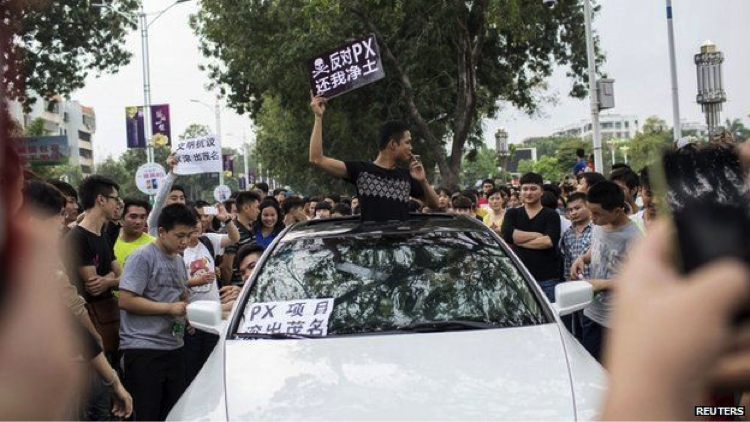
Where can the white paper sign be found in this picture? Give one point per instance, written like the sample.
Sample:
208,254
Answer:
149,177
307,317
198,155
222,193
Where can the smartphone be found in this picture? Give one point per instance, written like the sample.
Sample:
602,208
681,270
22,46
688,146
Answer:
707,202
210,210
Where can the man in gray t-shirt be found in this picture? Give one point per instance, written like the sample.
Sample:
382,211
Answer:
158,277
152,317
611,239
608,250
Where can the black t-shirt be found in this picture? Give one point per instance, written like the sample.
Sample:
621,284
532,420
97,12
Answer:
112,231
383,194
542,264
85,249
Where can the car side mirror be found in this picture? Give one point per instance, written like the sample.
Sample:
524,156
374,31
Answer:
205,315
572,296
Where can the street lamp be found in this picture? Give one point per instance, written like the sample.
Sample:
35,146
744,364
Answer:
677,129
144,24
612,148
593,100
625,150
711,92
217,116
501,148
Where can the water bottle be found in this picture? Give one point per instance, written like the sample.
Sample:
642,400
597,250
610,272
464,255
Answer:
178,328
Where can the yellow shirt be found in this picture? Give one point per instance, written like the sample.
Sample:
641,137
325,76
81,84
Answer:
490,217
124,249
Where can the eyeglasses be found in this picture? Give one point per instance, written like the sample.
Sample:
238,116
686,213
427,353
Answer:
116,198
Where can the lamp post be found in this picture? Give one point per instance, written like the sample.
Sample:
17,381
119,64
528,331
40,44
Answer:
217,118
612,148
711,94
501,148
677,127
593,92
144,24
625,150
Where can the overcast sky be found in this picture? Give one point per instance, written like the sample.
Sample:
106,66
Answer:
633,35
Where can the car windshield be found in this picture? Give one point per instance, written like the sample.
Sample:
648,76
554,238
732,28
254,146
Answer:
381,282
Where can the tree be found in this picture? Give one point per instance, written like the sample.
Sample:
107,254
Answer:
458,59
195,131
478,165
526,166
549,168
35,128
646,147
737,129
50,47
655,125
566,153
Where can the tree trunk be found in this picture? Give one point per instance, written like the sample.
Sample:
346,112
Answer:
469,53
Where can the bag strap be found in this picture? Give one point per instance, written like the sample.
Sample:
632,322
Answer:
207,243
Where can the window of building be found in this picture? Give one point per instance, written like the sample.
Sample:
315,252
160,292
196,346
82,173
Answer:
627,125
84,136
86,169
52,107
85,153
618,125
607,125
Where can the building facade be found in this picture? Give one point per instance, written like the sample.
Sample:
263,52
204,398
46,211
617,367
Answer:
68,118
613,126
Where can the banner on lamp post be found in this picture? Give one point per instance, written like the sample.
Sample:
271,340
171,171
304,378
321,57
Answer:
160,124
135,128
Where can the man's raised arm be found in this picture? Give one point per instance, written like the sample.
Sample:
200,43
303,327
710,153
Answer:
329,165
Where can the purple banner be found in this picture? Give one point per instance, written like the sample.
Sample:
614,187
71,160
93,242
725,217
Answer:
346,67
228,161
160,124
135,127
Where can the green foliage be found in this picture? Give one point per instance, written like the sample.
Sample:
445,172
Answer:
655,125
56,44
526,166
35,128
566,153
549,168
737,129
478,165
506,49
646,147
195,131
68,173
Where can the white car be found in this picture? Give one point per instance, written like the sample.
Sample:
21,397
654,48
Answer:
429,319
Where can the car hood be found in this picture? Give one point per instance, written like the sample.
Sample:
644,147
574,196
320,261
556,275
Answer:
511,373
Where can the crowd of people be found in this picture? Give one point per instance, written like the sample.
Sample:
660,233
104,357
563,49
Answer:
127,269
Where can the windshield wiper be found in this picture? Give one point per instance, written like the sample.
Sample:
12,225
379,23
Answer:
274,336
439,326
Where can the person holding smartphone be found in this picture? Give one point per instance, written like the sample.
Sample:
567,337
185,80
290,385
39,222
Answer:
383,188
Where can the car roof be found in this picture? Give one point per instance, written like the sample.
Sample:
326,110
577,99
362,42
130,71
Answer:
344,226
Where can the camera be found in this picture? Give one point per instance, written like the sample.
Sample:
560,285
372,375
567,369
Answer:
549,3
